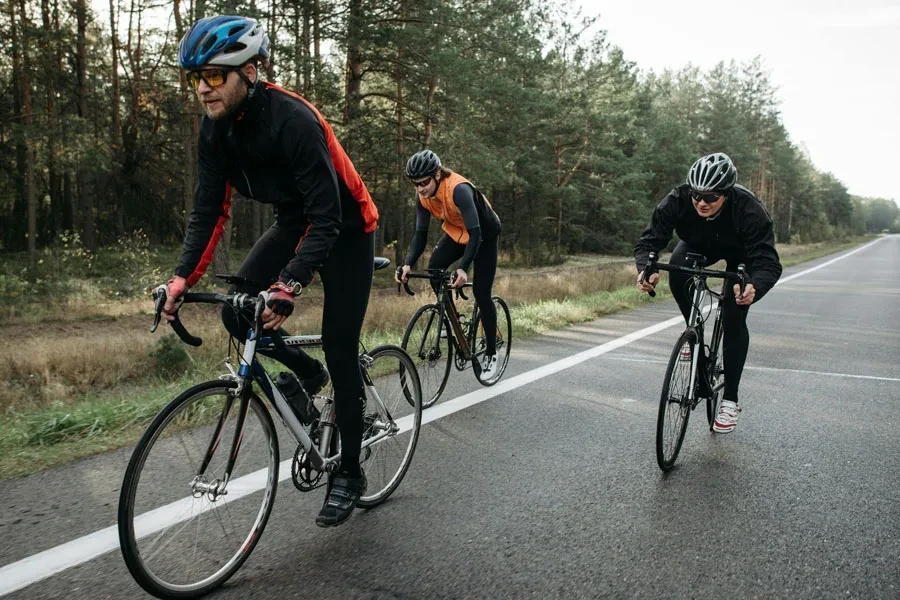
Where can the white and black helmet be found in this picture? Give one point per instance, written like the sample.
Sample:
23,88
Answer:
712,173
422,164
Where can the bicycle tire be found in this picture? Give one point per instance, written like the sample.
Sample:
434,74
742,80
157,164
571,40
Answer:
147,512
390,419
504,341
718,375
418,340
674,404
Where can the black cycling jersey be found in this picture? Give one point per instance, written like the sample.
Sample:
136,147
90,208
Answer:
741,231
279,150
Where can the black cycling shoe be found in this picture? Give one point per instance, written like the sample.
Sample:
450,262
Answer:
314,384
343,494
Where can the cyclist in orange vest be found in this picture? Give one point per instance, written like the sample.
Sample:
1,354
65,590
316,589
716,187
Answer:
471,235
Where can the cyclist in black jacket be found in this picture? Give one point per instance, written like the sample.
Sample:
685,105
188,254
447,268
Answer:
719,219
274,147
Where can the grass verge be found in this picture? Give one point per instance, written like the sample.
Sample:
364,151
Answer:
49,420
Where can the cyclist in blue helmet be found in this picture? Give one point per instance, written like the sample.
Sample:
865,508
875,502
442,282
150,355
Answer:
275,147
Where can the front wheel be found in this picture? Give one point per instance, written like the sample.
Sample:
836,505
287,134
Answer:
675,402
391,422
427,341
504,341
185,527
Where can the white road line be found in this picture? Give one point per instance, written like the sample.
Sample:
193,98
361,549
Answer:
775,369
37,567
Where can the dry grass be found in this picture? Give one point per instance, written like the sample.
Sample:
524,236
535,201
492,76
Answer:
91,351
58,364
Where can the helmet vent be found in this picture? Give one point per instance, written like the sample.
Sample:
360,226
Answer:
234,48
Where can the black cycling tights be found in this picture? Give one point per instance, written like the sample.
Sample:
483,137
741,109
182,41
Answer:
734,318
446,252
347,280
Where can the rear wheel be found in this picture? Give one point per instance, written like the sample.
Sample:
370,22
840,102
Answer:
431,353
674,402
184,529
391,423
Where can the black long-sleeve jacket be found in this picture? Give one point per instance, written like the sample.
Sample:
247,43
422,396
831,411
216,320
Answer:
741,231
279,150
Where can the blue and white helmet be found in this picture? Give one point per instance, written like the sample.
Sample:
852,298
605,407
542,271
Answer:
225,40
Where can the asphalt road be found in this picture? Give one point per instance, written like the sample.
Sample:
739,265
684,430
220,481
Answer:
551,489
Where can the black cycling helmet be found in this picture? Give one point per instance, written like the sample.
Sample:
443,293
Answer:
712,173
422,164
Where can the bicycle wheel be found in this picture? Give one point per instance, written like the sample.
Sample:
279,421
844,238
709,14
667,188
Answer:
717,377
674,403
391,423
504,341
181,541
431,353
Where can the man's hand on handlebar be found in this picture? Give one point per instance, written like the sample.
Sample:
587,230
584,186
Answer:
747,297
648,284
175,288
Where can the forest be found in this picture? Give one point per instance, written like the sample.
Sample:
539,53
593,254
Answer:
573,144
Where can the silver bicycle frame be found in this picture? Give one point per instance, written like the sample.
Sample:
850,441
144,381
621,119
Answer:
696,321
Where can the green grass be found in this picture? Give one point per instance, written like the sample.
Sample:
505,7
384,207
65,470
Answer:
38,438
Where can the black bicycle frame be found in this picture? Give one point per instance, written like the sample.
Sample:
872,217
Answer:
447,311
695,320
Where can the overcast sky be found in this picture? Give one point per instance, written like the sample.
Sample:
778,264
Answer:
836,65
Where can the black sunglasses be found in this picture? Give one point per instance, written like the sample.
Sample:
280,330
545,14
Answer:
421,184
708,197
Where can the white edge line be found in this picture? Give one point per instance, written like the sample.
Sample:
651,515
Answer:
42,565
772,369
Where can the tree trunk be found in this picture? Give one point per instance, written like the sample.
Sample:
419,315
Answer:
49,52
429,122
317,39
115,129
70,209
303,49
27,167
85,199
189,131
354,62
273,25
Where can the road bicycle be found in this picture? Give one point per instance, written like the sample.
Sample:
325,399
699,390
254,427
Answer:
695,369
438,335
201,481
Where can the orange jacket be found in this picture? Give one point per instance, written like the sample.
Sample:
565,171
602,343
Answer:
441,205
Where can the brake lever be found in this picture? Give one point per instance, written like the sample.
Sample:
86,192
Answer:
742,277
159,297
648,271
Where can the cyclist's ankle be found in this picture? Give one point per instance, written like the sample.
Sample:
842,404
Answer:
350,468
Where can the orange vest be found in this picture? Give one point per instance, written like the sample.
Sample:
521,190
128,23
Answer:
442,206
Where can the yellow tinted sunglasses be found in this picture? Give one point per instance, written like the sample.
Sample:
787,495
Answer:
212,77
